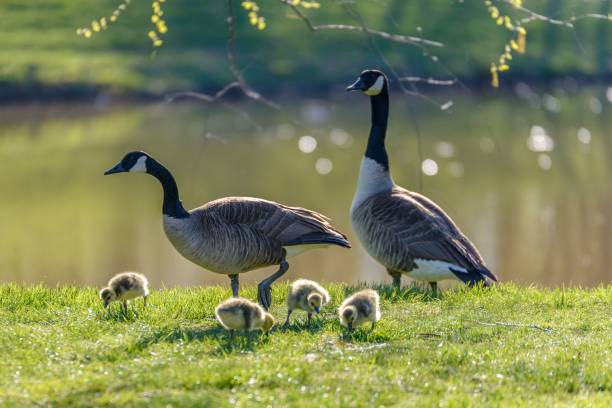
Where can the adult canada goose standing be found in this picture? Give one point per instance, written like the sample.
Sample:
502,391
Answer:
405,231
233,235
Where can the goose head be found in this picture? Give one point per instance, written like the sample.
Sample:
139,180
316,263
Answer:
349,314
371,82
107,295
133,162
315,300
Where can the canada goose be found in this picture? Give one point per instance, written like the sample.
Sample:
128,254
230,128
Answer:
405,231
233,235
242,314
125,286
360,308
306,295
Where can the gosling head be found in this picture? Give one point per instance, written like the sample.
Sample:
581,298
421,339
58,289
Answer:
268,323
107,295
349,314
315,301
132,162
371,82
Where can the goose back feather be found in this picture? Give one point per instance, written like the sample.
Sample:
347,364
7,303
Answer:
238,234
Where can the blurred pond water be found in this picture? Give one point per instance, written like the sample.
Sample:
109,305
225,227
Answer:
526,176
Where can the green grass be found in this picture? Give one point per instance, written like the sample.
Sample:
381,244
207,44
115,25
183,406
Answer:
505,346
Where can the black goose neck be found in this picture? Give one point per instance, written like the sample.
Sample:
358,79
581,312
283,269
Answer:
172,205
376,142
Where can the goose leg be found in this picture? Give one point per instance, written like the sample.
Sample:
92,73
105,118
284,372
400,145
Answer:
235,284
309,319
144,299
397,278
125,306
264,292
434,287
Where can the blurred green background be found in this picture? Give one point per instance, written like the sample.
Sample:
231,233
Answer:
39,45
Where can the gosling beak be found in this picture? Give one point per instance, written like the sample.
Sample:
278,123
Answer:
317,309
117,169
357,86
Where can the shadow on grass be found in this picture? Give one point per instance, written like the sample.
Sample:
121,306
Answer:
297,325
119,315
241,342
363,336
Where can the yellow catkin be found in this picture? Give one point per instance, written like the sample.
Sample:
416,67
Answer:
522,36
494,76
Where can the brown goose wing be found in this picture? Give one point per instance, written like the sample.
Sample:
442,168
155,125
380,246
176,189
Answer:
419,229
277,222
461,240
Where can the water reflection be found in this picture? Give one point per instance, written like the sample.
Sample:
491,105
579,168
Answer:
541,211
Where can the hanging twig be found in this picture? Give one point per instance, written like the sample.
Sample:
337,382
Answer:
233,64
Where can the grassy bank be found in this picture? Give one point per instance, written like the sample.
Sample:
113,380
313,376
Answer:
504,346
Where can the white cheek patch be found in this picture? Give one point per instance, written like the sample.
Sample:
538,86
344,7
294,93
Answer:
376,88
140,165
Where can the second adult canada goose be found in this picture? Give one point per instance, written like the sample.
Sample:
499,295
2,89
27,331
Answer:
405,231
233,235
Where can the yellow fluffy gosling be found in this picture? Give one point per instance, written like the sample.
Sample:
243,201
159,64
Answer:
242,314
124,287
360,308
306,295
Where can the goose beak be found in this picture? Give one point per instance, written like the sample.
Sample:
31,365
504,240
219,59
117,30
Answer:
117,169
317,309
357,86
106,304
350,327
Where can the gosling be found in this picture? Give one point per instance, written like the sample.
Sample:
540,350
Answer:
124,287
360,308
306,295
242,314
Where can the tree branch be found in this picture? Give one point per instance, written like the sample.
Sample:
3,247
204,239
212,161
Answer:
405,39
430,81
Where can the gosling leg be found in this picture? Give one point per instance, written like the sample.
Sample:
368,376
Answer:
309,319
287,320
397,278
125,307
144,301
235,284
264,292
372,328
